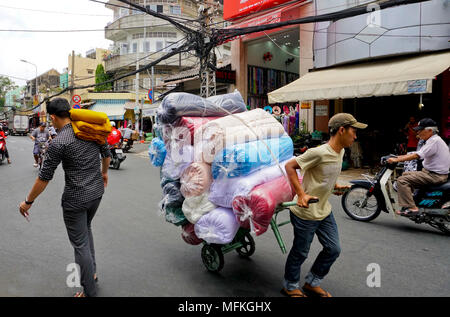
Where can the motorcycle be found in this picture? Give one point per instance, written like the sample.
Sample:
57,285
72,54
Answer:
43,146
2,150
117,156
365,200
127,145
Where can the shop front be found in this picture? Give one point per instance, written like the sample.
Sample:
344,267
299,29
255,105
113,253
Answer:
384,93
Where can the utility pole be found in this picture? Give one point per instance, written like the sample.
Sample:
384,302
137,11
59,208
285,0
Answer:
207,75
137,85
72,77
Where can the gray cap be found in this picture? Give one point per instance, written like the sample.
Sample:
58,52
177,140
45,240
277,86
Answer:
345,119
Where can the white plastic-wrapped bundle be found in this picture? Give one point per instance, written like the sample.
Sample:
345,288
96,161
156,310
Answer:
177,160
244,127
179,104
217,226
224,190
197,206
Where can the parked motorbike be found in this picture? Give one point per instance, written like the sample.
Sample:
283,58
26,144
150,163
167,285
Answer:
367,198
2,150
117,156
127,145
43,146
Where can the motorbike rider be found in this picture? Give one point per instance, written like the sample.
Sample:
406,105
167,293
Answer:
127,133
39,135
115,136
6,149
436,163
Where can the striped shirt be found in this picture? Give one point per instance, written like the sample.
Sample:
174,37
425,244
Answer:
81,164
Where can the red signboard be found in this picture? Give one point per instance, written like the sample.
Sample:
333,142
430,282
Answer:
238,8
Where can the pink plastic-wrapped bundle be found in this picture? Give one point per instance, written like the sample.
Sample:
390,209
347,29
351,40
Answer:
193,123
189,236
196,179
255,210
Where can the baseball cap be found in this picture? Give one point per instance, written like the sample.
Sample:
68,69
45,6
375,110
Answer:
344,119
425,123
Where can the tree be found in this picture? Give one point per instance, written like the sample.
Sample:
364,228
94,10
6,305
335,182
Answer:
101,76
5,85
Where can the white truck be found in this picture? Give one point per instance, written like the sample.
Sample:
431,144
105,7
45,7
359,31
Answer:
18,124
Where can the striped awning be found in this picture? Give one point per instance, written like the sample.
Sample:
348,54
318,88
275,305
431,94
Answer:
114,109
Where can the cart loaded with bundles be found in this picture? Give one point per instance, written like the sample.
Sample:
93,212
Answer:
222,172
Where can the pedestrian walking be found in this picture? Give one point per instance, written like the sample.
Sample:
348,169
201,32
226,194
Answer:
86,177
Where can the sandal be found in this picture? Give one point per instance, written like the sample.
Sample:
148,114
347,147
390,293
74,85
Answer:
80,294
294,293
315,291
408,213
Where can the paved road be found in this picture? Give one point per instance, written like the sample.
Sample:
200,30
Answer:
139,254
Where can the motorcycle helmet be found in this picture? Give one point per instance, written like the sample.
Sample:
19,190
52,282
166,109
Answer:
113,124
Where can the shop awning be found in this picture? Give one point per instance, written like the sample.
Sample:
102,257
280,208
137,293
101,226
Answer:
114,109
150,110
396,76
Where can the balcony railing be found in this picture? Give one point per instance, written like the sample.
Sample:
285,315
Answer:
129,60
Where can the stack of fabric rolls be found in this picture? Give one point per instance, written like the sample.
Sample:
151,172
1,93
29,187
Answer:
90,125
222,167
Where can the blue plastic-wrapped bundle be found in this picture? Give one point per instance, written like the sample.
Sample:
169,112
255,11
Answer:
246,158
157,152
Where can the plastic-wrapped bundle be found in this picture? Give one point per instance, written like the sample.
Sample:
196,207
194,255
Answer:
177,160
191,124
189,236
195,207
157,129
224,190
157,152
196,179
181,104
217,226
255,210
246,158
244,127
171,204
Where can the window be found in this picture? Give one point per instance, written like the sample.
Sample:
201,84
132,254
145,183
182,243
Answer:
146,46
160,8
175,10
123,12
123,48
90,71
135,46
159,46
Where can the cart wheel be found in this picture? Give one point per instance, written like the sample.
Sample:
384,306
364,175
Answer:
248,247
212,257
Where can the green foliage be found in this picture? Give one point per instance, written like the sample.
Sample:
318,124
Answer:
6,85
101,76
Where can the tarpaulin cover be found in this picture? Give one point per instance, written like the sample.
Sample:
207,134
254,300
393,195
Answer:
246,158
189,236
255,210
157,152
224,190
197,206
217,226
244,127
177,160
196,179
171,204
181,104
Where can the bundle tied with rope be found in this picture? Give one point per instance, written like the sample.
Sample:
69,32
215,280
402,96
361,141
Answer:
90,125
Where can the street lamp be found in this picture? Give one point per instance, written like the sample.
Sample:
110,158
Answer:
22,60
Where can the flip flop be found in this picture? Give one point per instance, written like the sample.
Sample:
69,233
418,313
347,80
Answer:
80,294
293,293
408,213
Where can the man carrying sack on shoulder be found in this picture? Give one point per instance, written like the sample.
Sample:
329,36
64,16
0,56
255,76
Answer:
321,167
85,183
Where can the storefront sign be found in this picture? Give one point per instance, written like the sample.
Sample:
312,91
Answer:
415,86
306,105
226,76
238,8
321,110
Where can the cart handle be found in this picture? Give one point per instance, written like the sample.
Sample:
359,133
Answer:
294,203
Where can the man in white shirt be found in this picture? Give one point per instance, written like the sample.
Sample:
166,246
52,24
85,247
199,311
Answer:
436,163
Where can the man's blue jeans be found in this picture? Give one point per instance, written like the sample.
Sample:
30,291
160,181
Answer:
304,231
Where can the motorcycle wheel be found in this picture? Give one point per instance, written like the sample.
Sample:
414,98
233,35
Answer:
116,164
2,158
352,200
